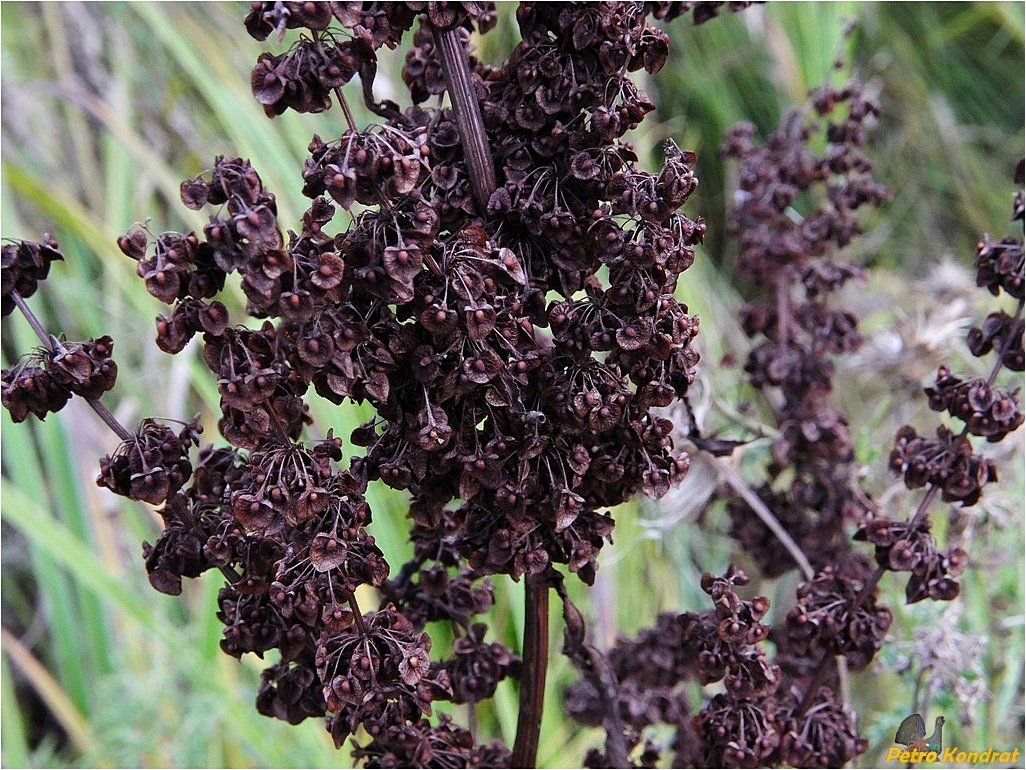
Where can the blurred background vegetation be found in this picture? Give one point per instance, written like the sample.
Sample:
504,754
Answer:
107,107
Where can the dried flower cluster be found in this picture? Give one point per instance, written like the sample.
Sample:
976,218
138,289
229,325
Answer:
23,265
754,722
809,487
512,418
786,710
774,712
652,669
949,464
793,257
45,379
502,295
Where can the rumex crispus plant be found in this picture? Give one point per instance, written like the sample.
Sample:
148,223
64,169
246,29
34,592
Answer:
503,298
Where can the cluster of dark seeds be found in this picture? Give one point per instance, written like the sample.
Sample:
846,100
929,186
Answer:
985,410
949,463
23,264
719,645
503,297
900,547
44,380
513,388
792,251
753,722
793,260
786,710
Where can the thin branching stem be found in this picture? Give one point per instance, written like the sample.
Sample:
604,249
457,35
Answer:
470,124
109,419
37,327
921,512
357,614
346,111
728,474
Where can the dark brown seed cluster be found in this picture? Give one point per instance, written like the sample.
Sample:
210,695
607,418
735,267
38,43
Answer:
23,264
652,671
1002,333
701,10
511,319
999,266
949,462
151,466
985,410
822,735
829,618
43,381
784,710
902,548
421,744
793,257
304,78
514,388
757,721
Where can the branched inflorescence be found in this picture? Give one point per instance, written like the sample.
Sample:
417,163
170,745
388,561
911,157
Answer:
948,463
798,331
44,380
786,710
513,387
770,712
502,295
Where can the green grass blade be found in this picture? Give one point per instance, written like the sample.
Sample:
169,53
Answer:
95,636
50,691
55,587
56,542
15,751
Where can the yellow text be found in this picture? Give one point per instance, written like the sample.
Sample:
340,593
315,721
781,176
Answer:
952,755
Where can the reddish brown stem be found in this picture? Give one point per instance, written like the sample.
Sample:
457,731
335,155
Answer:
348,113
109,419
616,744
594,666
535,666
357,614
812,689
467,111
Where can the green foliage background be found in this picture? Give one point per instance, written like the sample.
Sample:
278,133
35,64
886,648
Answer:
107,107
